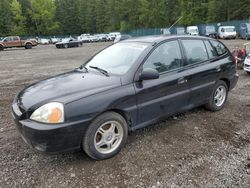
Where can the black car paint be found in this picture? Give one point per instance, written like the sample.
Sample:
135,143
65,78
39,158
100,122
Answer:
70,43
86,95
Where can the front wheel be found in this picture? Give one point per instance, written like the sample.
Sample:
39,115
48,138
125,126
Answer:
105,136
1,48
218,97
66,46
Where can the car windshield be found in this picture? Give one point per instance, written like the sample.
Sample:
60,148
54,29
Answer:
229,29
118,58
193,30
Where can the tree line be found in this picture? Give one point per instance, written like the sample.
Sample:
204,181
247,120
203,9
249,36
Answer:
65,17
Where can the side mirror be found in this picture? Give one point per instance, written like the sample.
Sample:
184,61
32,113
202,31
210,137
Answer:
149,74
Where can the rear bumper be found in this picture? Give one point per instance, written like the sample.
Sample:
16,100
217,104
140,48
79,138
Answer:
51,138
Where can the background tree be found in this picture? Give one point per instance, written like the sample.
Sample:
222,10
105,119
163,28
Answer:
42,14
18,27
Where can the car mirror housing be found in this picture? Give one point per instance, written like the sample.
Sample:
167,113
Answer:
149,74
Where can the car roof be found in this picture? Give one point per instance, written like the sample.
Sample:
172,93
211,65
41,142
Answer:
160,38
227,26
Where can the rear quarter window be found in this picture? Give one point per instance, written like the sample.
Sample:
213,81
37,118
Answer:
219,47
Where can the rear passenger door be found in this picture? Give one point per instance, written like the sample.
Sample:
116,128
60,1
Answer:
202,70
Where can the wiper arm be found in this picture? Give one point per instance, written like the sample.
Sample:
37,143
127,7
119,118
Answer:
83,67
100,70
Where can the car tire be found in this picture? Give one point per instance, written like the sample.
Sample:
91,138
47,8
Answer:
105,136
1,48
28,46
65,45
218,96
248,73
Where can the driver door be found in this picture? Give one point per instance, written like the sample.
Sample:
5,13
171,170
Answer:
169,93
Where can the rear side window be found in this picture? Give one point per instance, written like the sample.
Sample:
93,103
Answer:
195,51
220,48
165,57
210,50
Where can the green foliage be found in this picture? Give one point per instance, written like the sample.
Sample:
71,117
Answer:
42,14
69,17
18,27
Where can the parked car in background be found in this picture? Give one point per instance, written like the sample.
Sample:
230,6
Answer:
245,31
165,31
93,38
112,35
122,37
84,38
178,30
227,32
68,43
192,30
15,41
247,64
54,40
208,31
43,41
127,86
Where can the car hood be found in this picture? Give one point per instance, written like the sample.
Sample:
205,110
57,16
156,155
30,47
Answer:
65,88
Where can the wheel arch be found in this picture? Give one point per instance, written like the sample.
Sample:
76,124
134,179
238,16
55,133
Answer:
28,42
227,81
123,113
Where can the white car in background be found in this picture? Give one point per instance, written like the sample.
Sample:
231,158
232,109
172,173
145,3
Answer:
43,41
113,35
192,30
247,64
227,32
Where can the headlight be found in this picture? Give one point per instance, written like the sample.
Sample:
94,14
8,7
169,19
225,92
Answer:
49,113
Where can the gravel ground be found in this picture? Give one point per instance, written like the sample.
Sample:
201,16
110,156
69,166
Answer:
196,149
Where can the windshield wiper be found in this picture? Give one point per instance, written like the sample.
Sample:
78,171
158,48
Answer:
100,70
83,67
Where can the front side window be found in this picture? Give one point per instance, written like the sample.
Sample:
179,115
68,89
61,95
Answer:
165,57
118,58
195,51
220,48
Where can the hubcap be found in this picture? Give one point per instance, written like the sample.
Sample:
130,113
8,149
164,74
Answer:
108,137
220,96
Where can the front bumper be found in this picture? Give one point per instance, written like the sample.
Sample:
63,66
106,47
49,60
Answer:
50,138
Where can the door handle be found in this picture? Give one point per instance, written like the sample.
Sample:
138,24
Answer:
182,81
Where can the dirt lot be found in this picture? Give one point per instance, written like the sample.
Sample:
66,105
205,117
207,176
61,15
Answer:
195,149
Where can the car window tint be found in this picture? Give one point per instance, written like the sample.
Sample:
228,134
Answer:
220,48
195,51
165,57
210,50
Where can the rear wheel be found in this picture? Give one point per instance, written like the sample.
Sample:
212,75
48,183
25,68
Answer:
105,136
28,46
1,48
218,97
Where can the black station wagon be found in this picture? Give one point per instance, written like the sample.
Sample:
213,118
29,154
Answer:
126,86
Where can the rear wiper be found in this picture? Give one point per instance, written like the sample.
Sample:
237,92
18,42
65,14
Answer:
100,70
